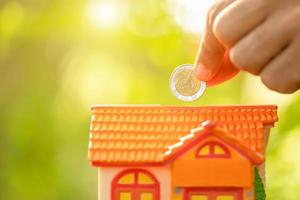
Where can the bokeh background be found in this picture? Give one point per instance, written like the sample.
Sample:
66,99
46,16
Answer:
57,57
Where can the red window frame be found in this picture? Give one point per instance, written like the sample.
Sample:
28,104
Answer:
213,193
212,153
135,189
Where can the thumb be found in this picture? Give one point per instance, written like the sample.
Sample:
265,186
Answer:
211,51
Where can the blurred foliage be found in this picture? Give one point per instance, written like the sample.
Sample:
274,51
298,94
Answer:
56,60
259,189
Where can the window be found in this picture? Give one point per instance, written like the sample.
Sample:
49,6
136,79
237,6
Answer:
225,197
146,196
125,196
212,194
145,178
135,184
199,197
212,150
127,179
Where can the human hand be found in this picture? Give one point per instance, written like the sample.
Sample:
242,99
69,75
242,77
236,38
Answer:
262,37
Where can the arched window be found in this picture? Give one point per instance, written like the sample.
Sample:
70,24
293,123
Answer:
135,184
212,150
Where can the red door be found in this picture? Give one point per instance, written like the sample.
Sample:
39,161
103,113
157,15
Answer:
213,194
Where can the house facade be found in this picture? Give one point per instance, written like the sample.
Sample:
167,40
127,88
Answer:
179,153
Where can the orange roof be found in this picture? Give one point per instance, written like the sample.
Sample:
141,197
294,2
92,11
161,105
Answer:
121,135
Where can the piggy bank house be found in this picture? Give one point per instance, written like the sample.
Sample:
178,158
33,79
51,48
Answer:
153,152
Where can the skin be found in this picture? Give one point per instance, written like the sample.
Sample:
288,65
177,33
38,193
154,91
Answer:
262,37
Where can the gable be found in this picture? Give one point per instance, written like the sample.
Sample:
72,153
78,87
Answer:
190,170
191,154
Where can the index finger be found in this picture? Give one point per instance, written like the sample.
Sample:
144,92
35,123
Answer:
211,51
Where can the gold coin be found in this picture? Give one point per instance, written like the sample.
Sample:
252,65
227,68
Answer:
184,84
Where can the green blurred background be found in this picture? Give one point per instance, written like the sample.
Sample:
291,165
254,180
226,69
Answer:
57,57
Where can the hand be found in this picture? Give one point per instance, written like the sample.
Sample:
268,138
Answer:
262,37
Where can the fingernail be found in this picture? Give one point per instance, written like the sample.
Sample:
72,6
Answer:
202,73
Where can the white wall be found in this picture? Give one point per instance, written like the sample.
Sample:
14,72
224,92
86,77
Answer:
107,174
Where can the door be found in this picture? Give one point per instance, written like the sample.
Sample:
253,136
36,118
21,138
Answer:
213,194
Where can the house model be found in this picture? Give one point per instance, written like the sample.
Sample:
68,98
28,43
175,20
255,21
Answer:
180,153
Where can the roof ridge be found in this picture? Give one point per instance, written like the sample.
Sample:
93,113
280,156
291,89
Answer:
255,156
172,106
183,139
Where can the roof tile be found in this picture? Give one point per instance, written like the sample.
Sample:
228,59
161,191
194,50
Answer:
142,134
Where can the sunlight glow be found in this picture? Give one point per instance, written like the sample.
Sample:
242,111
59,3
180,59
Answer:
103,14
190,14
101,80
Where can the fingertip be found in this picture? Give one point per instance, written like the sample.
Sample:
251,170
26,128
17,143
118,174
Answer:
203,73
208,59
233,57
